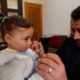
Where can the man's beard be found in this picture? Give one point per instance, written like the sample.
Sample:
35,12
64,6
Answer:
77,42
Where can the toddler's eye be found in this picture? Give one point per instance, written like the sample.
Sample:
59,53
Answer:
26,39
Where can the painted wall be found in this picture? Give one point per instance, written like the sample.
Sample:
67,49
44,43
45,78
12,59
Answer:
56,15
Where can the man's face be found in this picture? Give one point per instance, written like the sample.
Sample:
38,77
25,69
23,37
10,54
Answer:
75,31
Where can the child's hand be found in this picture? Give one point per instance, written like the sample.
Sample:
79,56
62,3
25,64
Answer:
38,47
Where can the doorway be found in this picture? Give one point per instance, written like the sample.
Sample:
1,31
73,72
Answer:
34,13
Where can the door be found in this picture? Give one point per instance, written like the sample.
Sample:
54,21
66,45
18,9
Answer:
34,13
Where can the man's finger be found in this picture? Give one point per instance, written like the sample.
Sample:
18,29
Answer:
54,57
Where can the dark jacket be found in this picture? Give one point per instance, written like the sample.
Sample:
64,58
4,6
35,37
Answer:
70,55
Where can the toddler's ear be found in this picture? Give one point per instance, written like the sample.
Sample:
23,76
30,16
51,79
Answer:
7,38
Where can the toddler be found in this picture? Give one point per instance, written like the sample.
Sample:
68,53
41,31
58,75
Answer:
17,32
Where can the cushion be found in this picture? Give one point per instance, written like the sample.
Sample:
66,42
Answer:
57,41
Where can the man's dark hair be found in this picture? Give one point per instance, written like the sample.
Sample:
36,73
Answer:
75,15
10,23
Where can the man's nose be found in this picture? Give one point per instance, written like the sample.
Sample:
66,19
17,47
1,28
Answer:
76,35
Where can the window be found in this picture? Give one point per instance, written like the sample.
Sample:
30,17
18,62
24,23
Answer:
15,7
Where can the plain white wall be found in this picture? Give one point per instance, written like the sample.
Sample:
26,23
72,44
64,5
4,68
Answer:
56,15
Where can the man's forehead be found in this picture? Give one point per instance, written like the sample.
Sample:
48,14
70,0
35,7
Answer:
75,21
75,24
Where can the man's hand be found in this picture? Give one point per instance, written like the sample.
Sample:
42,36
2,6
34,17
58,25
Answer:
51,67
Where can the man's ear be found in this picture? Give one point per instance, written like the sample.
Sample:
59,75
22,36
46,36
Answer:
7,38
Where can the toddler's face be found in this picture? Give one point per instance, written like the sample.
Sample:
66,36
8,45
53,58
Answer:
21,39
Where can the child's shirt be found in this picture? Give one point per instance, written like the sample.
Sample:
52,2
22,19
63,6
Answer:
33,56
16,66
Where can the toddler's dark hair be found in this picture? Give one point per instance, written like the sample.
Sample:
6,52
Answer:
10,23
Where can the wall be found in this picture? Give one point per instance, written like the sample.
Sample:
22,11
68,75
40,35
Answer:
56,15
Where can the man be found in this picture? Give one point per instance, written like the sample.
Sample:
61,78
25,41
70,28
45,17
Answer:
70,52
52,68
